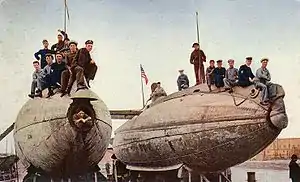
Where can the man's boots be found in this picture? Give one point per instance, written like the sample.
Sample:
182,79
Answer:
88,82
50,92
38,93
31,95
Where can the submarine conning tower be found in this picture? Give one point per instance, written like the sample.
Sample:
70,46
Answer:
63,136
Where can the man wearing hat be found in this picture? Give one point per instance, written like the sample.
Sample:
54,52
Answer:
294,169
37,83
231,75
67,80
210,79
158,92
57,68
41,54
62,38
197,58
263,78
182,80
46,76
219,75
245,73
84,66
65,51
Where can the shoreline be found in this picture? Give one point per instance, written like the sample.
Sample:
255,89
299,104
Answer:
280,165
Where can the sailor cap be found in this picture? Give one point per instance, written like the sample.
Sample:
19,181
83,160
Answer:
73,42
195,44
89,42
264,59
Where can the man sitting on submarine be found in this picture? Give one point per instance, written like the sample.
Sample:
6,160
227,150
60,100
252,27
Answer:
231,76
157,93
83,67
210,79
46,74
219,75
67,78
245,74
262,80
36,85
182,81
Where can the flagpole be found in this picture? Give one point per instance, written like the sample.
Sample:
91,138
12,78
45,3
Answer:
197,24
142,85
198,40
65,16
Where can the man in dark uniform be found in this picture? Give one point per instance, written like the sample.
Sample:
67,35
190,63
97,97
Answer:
57,68
294,169
90,68
219,75
84,66
59,45
62,39
209,74
197,58
66,80
245,74
182,81
41,54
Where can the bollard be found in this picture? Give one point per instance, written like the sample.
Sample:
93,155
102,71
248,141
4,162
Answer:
251,177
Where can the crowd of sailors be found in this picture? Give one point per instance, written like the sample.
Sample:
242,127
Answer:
61,65
227,78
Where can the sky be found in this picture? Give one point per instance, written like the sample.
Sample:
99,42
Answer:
155,33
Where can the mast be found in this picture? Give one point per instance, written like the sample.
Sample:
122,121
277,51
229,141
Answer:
143,95
66,15
65,21
143,75
199,58
6,145
197,24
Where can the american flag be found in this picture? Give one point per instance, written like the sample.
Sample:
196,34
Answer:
143,75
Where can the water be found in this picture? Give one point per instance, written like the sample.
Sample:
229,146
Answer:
239,174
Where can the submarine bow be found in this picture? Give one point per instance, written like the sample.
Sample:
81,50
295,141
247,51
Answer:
61,137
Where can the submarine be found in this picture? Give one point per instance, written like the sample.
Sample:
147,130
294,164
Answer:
205,131
62,136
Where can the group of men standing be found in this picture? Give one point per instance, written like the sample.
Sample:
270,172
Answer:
71,64
221,77
228,78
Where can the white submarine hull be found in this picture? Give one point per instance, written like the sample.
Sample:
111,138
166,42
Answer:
204,131
46,138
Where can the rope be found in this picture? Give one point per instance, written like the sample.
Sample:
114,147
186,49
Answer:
145,105
233,97
234,101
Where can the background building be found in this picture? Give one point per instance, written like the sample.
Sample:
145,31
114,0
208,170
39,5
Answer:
8,168
281,148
